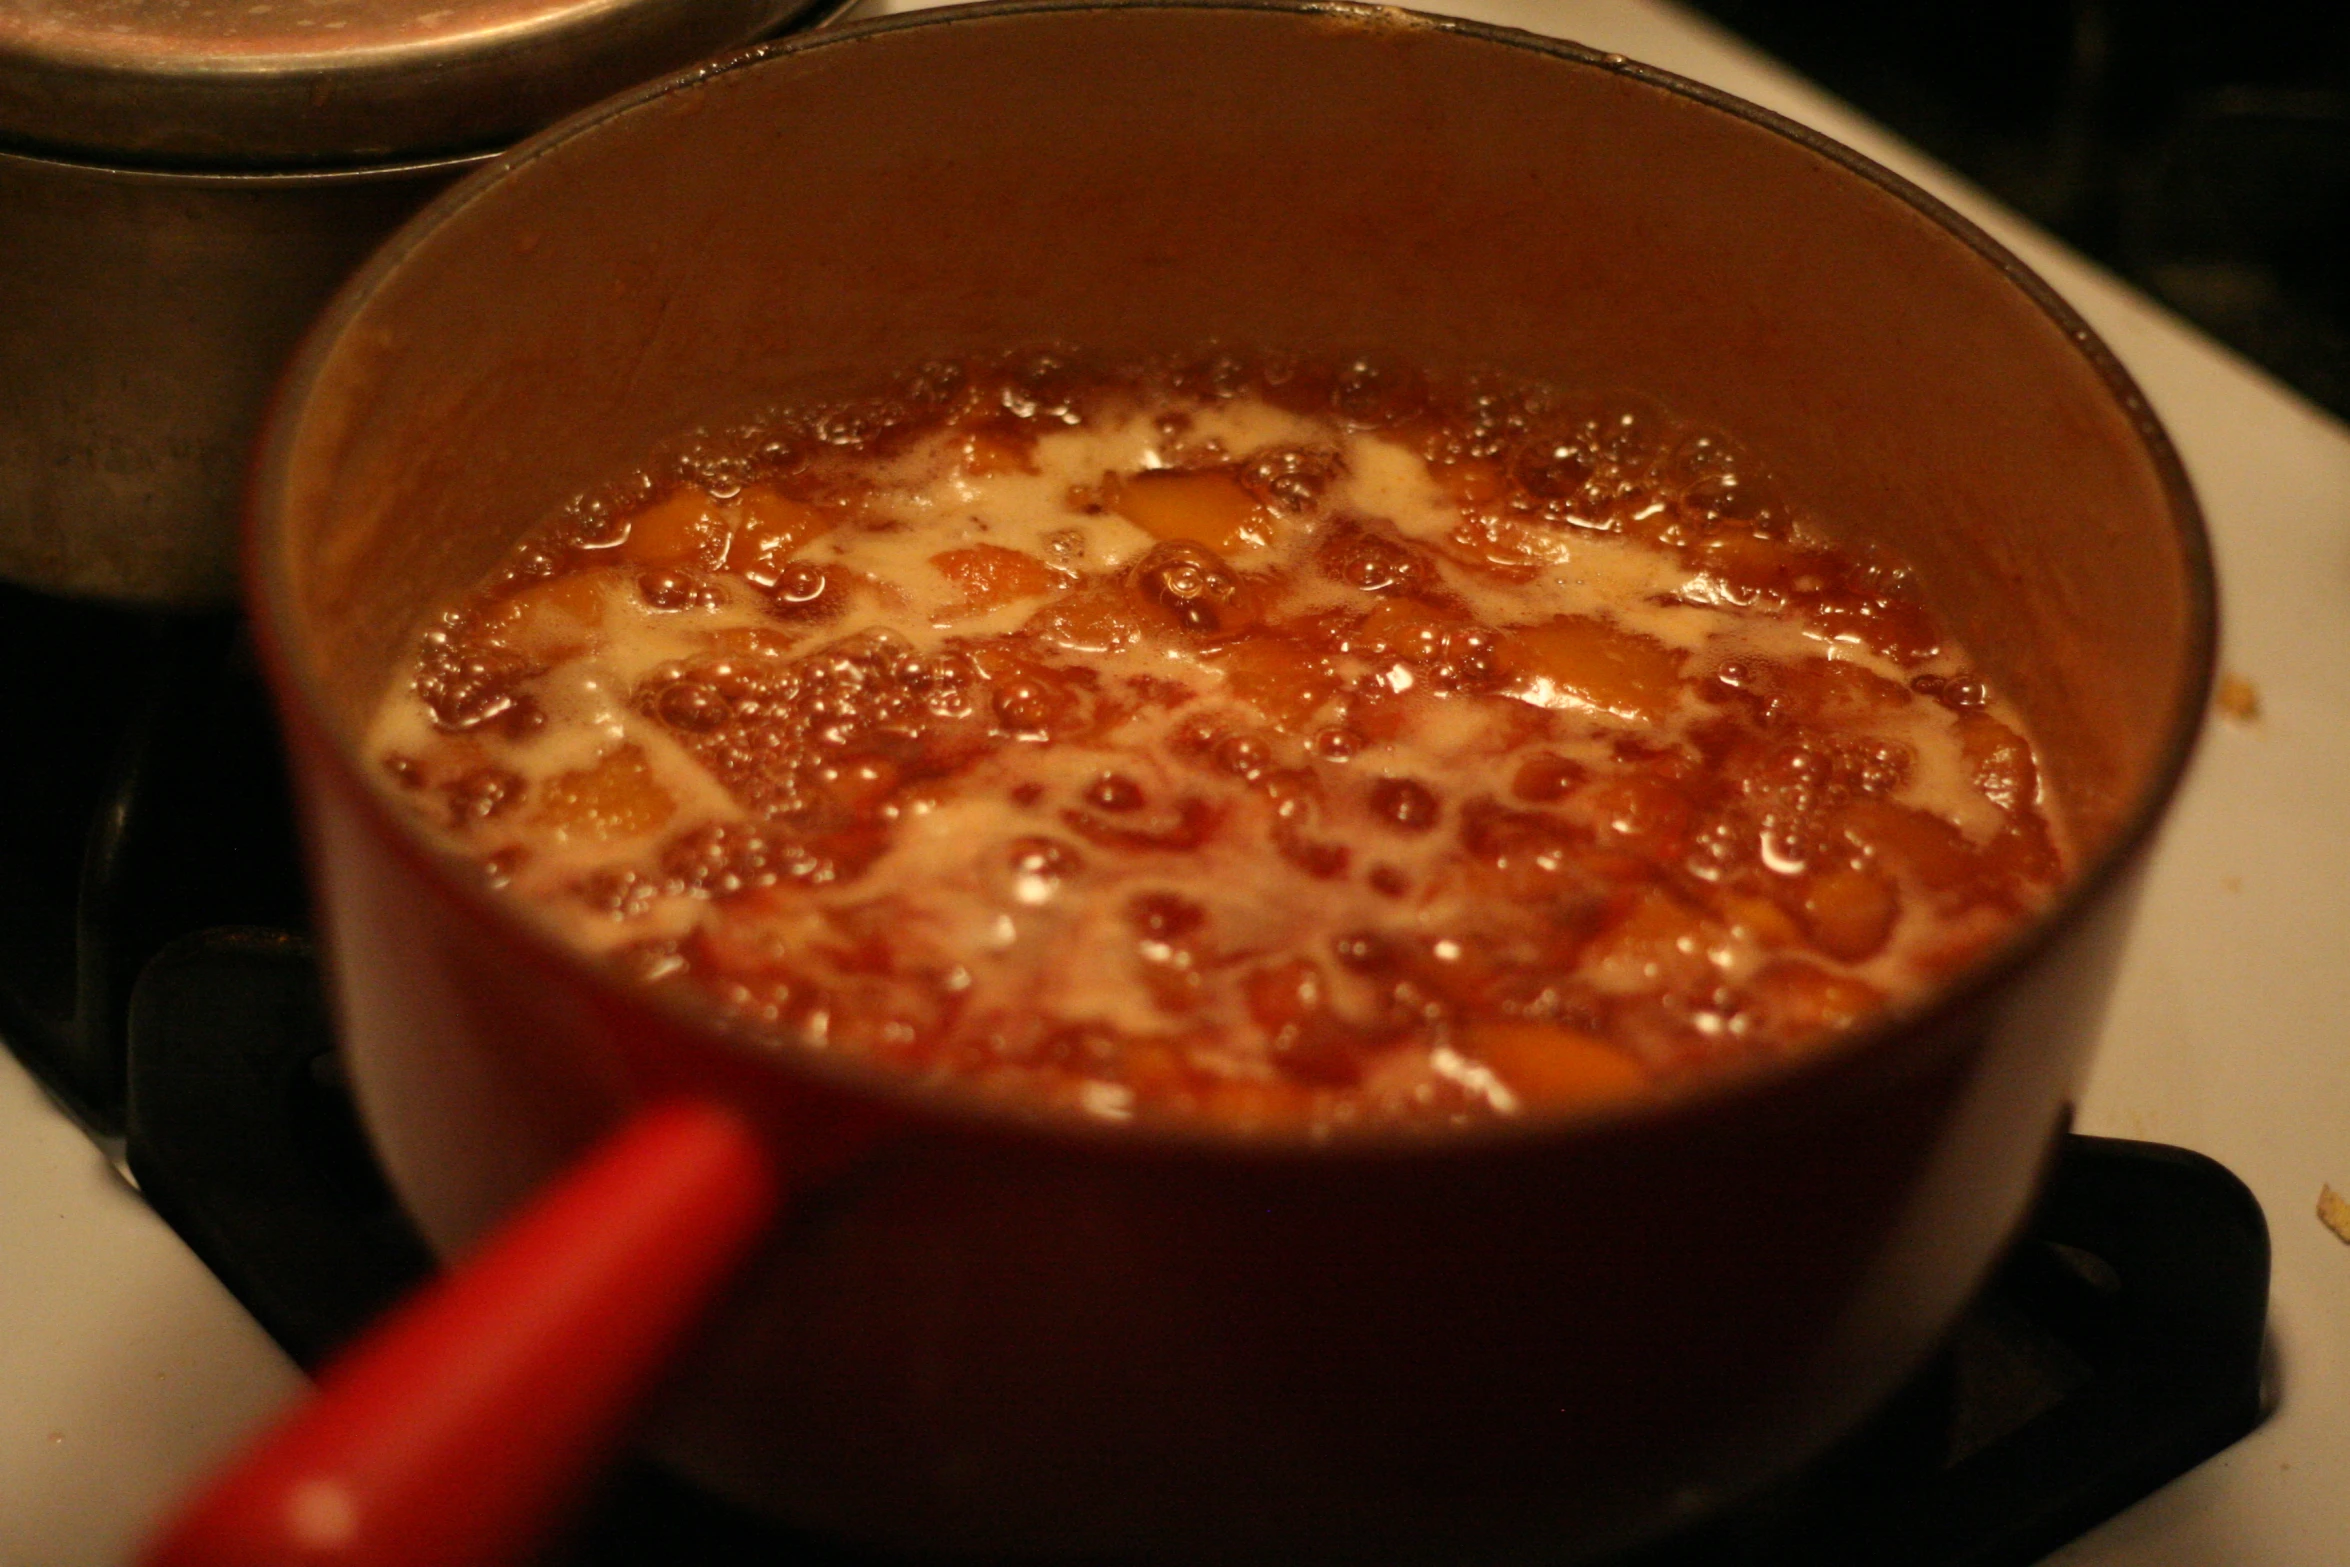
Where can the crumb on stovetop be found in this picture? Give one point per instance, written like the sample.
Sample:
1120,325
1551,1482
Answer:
2333,1211
2237,699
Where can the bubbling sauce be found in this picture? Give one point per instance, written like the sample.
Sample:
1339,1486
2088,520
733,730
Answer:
1286,745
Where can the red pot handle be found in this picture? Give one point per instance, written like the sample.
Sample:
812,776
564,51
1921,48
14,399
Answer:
462,1428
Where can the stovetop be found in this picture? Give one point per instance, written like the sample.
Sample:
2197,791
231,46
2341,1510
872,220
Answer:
124,1365
163,990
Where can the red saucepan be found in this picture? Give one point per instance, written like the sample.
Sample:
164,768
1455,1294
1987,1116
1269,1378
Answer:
956,1328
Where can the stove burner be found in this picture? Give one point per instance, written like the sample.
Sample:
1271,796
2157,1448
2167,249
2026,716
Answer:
151,977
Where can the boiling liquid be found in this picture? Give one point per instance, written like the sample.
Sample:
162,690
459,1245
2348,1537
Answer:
1292,747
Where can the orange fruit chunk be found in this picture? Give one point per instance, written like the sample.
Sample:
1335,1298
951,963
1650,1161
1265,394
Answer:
1505,548
1999,761
1278,678
1748,563
1793,1001
751,641
1249,1105
1286,994
1918,842
1760,920
1404,628
686,531
775,526
1208,507
1639,812
1850,913
991,575
1659,945
553,621
986,450
618,797
1094,620
1576,661
1472,483
1550,1064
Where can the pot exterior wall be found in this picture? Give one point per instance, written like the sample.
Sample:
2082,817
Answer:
148,316
980,1340
979,1335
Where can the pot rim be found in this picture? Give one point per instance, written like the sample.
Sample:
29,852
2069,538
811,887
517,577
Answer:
1909,1035
198,178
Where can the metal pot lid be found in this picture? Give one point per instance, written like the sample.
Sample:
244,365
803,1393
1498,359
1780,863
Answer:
279,83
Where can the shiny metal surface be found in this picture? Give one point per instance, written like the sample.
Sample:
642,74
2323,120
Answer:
238,85
147,301
148,316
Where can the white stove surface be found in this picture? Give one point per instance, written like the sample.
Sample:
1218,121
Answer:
125,1368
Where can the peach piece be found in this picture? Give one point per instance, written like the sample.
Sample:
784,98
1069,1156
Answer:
1827,692
1402,628
1748,563
1545,777
1548,1064
445,759
553,621
1836,691
986,451
743,946
860,783
1382,719
775,526
1097,620
1850,913
1999,762
1278,678
687,532
1924,845
991,575
1155,1071
1284,994
1505,548
1575,660
618,797
1250,1105
1208,507
1898,628
1473,483
1640,812
1793,1001
1760,920
1659,945
751,641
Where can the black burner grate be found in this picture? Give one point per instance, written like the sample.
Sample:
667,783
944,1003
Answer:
151,975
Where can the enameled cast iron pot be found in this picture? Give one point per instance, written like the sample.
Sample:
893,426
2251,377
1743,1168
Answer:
972,1331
